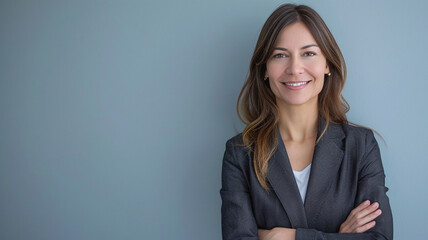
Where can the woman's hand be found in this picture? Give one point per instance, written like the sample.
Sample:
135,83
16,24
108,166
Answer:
278,233
361,218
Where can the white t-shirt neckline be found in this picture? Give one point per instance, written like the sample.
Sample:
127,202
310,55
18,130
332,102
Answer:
302,179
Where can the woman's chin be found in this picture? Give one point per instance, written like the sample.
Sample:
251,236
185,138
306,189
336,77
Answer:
297,101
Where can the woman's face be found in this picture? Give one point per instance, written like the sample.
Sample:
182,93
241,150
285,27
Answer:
297,66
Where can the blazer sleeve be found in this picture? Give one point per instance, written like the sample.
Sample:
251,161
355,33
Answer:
371,186
237,219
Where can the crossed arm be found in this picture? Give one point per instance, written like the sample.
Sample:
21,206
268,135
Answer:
359,220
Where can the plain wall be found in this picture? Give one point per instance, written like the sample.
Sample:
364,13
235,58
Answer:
114,114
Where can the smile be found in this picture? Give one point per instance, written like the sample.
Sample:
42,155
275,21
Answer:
296,84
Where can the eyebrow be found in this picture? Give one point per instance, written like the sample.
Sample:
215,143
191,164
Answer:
304,47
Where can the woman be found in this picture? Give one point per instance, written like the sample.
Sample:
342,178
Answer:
299,170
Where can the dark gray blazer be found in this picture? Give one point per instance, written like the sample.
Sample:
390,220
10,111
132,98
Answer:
346,170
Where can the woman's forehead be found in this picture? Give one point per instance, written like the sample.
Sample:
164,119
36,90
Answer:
295,36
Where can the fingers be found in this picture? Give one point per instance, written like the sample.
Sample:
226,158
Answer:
361,207
361,218
365,227
367,210
369,215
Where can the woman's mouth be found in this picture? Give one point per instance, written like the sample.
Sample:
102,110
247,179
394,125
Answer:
296,85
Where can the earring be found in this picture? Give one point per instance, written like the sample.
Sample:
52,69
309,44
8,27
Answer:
265,78
329,74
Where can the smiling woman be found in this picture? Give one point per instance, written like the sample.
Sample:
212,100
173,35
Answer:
300,170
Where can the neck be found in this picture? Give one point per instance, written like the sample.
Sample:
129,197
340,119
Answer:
298,123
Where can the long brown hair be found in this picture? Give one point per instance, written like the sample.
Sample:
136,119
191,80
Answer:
256,103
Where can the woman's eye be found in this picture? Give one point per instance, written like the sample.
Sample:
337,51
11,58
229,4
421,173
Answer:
279,55
309,54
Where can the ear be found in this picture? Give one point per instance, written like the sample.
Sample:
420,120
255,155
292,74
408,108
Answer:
327,68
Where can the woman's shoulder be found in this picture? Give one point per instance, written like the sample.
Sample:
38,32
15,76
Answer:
357,133
236,139
355,129
235,145
236,153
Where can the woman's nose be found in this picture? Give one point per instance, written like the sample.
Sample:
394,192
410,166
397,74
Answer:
295,66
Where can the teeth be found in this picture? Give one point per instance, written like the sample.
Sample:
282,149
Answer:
296,84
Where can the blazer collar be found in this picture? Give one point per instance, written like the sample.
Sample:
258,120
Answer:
327,157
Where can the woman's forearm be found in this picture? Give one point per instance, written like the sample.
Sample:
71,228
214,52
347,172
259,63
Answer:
278,233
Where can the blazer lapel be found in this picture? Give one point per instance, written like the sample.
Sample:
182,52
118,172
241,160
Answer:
280,176
328,155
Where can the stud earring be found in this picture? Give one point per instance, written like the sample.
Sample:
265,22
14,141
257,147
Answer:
329,74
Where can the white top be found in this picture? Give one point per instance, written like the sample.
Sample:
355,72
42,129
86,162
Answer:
302,179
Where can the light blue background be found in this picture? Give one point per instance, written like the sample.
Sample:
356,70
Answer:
114,114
